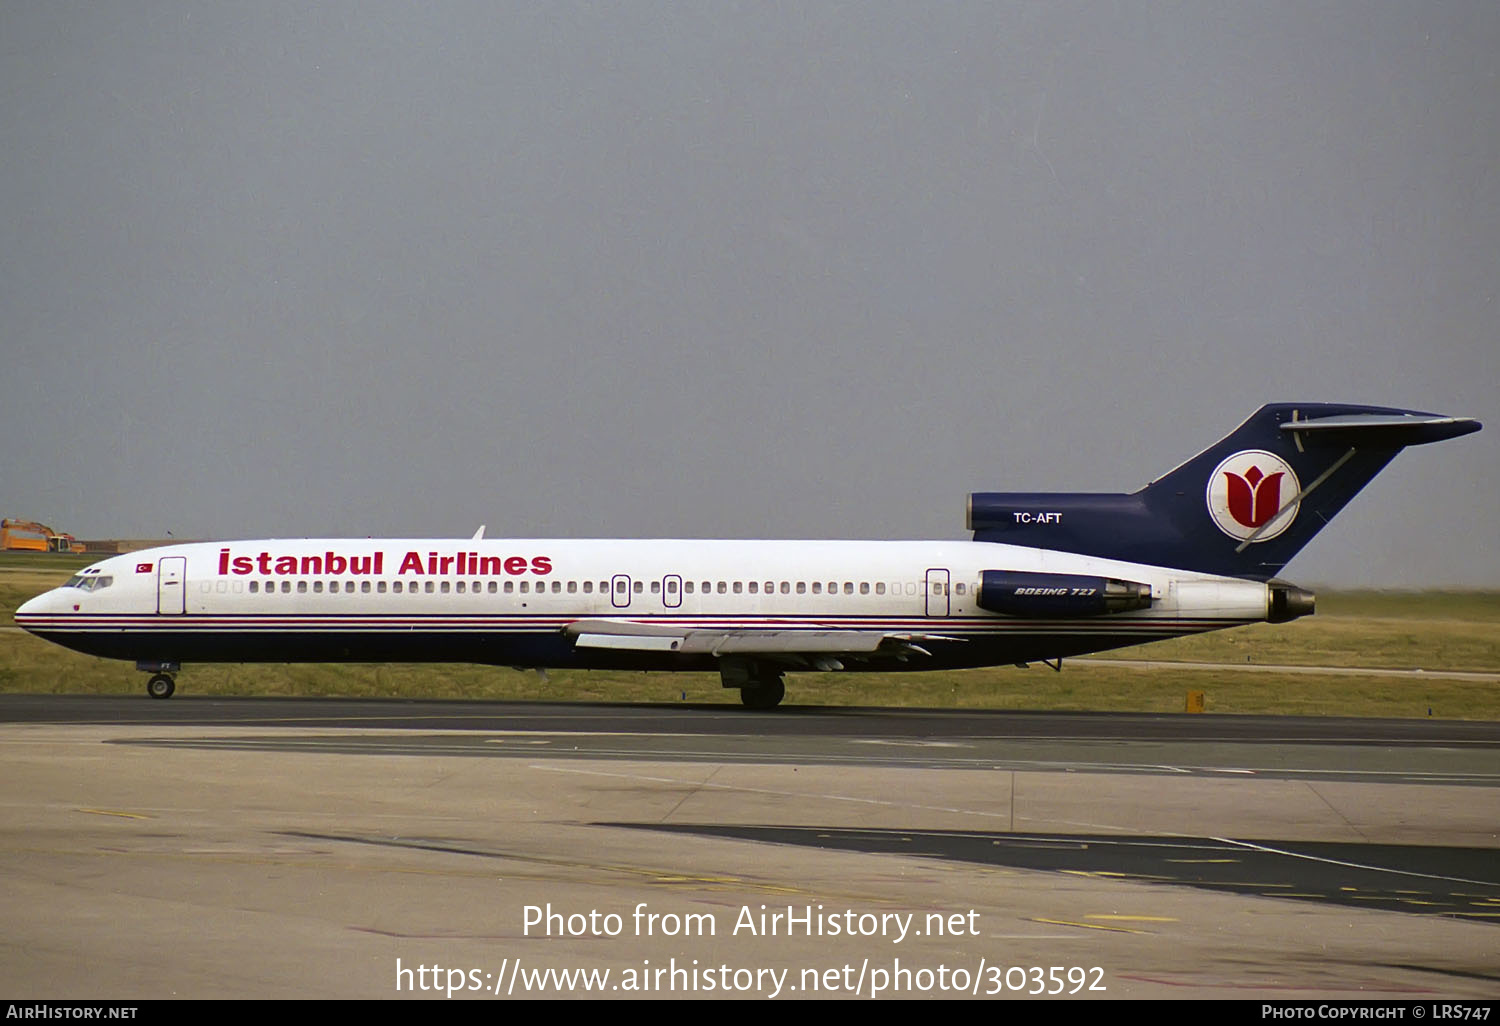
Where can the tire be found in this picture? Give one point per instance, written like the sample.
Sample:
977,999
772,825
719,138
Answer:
765,695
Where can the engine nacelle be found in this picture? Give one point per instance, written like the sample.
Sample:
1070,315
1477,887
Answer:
1055,596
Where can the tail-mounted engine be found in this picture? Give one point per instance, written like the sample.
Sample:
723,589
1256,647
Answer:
1056,596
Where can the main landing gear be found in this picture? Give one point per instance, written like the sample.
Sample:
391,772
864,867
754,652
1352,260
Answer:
162,684
761,687
767,695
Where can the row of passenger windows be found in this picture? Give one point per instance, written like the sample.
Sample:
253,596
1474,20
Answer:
670,586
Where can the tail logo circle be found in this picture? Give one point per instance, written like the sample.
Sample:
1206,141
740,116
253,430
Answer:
1253,493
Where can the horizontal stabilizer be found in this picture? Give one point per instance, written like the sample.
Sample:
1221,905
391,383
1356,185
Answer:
1385,430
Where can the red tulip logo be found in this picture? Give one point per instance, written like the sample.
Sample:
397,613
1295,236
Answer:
1254,498
1253,495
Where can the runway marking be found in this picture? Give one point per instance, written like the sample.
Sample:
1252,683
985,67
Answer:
1204,862
649,874
1088,926
114,812
1354,865
909,744
1134,919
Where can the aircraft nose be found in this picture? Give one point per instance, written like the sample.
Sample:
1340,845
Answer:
44,603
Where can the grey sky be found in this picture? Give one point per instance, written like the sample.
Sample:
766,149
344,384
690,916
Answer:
735,270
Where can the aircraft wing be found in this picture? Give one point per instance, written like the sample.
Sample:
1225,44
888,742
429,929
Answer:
789,644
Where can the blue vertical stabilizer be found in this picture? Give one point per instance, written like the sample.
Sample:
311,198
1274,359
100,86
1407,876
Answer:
1243,507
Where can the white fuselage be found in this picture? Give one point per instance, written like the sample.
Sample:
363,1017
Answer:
510,601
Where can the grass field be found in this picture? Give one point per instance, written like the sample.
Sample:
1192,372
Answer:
1374,630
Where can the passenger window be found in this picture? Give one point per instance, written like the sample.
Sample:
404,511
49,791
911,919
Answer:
286,587
572,587
318,587
396,587
739,587
801,587
493,588
302,587
588,587
723,587
864,587
380,587
880,587
254,587
525,587
754,587
848,587
460,587
656,587
429,588
817,587
510,587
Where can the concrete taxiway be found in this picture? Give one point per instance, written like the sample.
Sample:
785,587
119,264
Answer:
305,848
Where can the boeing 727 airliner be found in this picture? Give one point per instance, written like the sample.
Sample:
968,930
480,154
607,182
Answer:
1047,575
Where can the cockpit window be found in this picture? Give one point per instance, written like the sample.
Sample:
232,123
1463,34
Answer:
89,583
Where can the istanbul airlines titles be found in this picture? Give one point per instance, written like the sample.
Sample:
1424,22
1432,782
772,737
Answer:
416,564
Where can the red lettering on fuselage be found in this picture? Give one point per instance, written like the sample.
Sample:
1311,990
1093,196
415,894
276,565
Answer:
337,564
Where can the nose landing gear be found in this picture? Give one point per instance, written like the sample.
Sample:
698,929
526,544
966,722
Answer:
162,684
